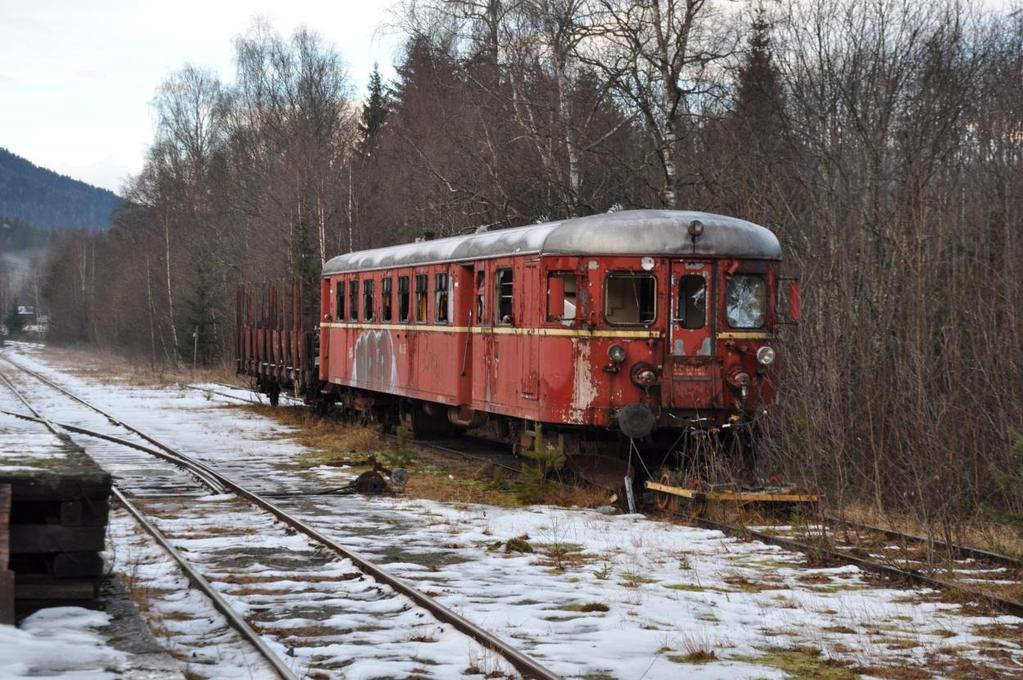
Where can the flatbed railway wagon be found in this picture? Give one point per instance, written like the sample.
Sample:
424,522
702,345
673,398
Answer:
276,339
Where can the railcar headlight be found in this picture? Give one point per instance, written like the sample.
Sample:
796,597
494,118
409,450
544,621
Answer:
617,353
644,375
766,355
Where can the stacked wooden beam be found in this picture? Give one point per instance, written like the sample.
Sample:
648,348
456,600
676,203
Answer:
57,526
6,575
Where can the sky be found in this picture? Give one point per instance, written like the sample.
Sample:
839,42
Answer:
77,77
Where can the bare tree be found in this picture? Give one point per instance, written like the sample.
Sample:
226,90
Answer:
660,56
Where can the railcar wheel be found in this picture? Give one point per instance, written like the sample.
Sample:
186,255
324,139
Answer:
668,478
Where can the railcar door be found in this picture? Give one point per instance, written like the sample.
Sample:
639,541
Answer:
482,344
694,374
463,296
529,309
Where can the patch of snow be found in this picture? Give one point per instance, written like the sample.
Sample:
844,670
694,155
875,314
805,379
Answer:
59,642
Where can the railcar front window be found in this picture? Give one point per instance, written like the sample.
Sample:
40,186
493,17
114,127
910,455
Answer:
630,299
440,304
561,296
385,299
692,301
340,300
403,300
353,300
421,283
747,301
504,297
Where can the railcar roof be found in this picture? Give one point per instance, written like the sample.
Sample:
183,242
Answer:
627,232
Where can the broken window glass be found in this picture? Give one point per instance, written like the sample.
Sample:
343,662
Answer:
562,293
504,297
692,301
747,301
630,299
480,291
440,303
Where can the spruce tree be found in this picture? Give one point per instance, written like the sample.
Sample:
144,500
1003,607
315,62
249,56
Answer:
760,99
375,110
304,263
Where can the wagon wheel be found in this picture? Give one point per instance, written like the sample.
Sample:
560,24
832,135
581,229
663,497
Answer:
668,478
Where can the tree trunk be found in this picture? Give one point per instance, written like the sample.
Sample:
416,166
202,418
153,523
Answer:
170,289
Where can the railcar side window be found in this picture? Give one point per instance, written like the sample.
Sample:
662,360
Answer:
692,301
630,299
353,300
385,299
403,305
503,295
562,293
339,313
480,291
747,301
440,304
422,281
367,299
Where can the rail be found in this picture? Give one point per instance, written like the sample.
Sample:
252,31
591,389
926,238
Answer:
1005,604
234,619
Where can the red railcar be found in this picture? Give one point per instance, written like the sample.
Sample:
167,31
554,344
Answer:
639,322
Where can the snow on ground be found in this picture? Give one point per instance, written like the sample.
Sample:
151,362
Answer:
318,612
599,596
59,642
610,594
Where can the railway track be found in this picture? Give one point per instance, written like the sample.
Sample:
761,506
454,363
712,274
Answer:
327,565
995,580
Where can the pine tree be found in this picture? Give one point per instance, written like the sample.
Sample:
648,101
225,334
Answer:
375,110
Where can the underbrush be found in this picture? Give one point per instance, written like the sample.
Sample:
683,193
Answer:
432,475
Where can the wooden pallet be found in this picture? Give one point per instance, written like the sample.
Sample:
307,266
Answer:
701,502
6,575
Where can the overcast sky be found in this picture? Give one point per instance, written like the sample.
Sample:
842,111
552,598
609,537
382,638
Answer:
77,76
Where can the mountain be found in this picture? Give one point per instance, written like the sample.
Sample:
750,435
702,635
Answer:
49,200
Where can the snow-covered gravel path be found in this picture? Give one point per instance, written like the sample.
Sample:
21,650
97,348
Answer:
600,596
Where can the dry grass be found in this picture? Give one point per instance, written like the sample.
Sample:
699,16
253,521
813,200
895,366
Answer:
433,475
986,535
114,368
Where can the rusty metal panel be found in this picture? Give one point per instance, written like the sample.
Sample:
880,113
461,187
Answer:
695,385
